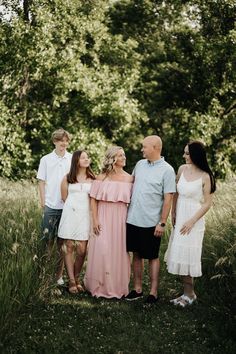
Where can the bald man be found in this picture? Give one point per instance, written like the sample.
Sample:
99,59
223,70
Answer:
153,189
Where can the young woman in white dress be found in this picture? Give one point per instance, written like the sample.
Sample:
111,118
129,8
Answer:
195,188
75,225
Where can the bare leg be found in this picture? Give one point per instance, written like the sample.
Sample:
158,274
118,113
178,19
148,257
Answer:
137,272
188,286
69,259
154,269
79,259
60,263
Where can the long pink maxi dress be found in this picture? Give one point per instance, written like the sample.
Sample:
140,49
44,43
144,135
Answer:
108,263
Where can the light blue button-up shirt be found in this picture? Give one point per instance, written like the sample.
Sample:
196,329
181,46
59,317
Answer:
152,181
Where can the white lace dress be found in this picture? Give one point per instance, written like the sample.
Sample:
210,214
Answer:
183,255
75,221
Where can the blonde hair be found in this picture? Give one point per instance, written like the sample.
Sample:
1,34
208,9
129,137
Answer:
110,159
59,134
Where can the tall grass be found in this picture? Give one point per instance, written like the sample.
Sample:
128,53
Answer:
219,249
25,275
20,261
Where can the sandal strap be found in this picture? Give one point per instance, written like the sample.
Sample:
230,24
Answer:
72,287
175,301
189,300
186,300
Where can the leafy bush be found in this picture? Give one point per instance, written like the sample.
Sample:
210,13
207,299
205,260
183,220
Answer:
15,153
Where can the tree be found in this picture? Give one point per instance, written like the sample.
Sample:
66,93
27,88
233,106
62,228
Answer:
187,81
62,67
113,71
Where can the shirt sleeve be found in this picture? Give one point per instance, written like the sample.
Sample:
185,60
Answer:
169,181
42,171
135,168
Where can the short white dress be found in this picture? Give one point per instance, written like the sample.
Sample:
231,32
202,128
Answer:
75,223
183,255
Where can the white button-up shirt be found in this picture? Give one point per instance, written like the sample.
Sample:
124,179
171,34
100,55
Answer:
52,169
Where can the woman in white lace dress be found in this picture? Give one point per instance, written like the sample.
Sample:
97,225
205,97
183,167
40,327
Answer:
75,225
195,188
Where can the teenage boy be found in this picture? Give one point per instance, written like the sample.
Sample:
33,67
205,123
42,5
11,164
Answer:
52,168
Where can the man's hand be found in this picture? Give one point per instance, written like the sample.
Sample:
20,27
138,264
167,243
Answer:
159,230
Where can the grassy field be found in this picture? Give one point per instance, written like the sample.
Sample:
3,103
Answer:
37,317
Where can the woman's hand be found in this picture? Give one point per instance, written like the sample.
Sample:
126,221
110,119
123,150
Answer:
187,227
96,228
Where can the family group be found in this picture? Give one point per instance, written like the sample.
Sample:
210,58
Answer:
109,216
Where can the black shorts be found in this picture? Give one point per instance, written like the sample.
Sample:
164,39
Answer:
143,241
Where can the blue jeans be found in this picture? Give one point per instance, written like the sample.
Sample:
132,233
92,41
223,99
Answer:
50,223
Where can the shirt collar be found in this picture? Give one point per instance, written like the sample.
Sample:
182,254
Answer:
157,162
60,157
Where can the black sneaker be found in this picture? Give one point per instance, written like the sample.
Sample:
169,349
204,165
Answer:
133,295
151,299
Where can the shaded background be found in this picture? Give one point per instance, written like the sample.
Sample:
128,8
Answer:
111,72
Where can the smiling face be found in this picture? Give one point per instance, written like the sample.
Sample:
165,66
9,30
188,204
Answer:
151,147
186,155
61,146
147,149
120,158
84,160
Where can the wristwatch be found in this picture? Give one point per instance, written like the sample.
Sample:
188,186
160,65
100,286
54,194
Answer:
162,224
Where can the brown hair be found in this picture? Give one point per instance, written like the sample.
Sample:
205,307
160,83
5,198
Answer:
72,175
197,153
59,134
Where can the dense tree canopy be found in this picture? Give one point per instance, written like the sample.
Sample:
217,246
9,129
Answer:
111,72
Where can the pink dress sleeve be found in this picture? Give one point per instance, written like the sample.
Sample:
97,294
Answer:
111,191
94,189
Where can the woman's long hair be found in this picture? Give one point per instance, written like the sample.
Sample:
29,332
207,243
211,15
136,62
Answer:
197,154
74,168
110,159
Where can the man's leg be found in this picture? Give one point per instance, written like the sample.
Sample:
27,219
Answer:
137,272
50,223
154,269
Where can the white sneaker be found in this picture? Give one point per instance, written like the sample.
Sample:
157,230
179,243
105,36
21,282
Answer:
60,281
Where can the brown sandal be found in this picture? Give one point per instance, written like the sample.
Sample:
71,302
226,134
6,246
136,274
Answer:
80,288
72,287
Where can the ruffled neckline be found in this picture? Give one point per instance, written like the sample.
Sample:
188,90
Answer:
111,191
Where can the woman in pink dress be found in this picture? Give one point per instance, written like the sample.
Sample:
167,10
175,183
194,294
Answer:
108,265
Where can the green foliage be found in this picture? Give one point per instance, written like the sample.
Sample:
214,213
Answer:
33,313
14,151
64,68
121,68
219,256
95,143
187,78
19,275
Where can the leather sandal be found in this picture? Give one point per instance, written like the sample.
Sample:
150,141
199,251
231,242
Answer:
72,287
80,288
